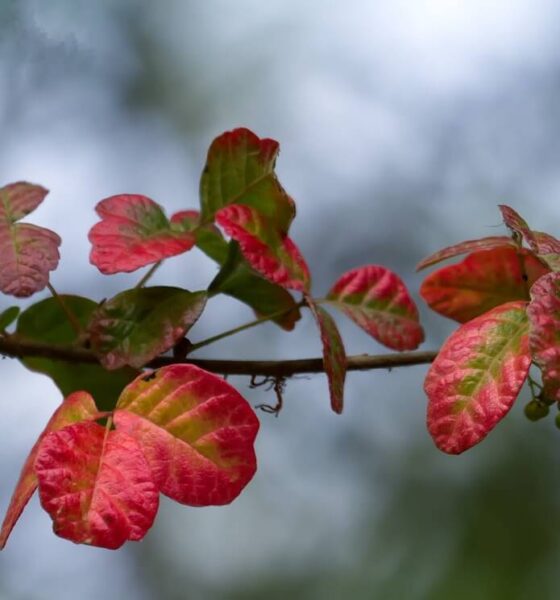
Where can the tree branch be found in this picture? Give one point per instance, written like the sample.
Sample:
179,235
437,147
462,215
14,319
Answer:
17,348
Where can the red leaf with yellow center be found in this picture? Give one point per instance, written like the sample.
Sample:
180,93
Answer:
133,232
377,300
481,281
196,431
240,170
96,485
76,407
334,355
465,247
476,377
544,317
267,250
27,252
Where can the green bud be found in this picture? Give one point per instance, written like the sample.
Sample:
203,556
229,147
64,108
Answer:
536,410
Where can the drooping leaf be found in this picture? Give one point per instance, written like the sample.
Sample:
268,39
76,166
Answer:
377,300
517,224
334,354
28,253
139,324
477,376
481,281
544,318
96,485
133,232
468,246
8,316
240,281
77,407
240,170
46,322
196,431
266,249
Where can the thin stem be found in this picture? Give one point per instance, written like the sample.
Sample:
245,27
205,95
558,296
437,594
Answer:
72,319
254,323
148,275
20,348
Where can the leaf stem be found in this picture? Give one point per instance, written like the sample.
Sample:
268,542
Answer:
254,323
148,275
72,319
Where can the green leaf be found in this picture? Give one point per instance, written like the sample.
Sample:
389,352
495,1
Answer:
46,322
8,316
139,324
240,170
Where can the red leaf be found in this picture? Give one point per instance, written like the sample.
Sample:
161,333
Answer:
267,250
28,253
334,355
544,317
96,485
377,300
481,281
133,232
547,249
76,407
517,224
477,376
196,431
240,170
486,243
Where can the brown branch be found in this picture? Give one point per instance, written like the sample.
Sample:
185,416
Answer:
18,348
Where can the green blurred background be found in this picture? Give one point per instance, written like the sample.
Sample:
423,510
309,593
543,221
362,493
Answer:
402,126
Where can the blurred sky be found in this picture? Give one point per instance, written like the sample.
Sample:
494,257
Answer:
402,125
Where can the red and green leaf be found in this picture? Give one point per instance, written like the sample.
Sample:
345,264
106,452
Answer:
334,354
481,281
466,247
133,232
196,431
266,249
96,485
241,281
77,407
28,252
517,224
476,377
45,322
139,324
544,318
377,300
240,170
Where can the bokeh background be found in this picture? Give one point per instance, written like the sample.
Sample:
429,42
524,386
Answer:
402,126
